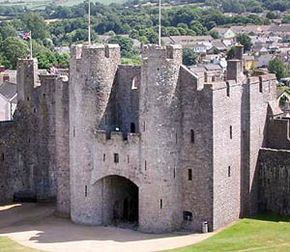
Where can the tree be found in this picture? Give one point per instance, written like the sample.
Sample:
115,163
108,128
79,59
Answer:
278,67
35,23
214,34
272,15
189,57
126,45
12,49
231,53
245,40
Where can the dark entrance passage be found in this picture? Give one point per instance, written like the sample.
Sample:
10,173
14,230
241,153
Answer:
120,200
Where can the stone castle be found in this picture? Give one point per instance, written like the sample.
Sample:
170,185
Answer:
155,145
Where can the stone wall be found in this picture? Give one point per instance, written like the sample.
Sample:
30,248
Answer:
93,71
160,128
196,154
278,133
257,93
28,143
226,151
274,181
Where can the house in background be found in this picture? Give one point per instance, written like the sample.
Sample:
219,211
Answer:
283,98
8,100
250,62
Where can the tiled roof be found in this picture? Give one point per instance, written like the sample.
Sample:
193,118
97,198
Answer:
8,89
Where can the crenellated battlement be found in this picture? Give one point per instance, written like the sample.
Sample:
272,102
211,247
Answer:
97,51
116,137
171,52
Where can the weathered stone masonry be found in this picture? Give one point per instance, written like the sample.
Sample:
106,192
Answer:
154,145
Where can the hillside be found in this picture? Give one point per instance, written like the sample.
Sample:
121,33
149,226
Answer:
40,4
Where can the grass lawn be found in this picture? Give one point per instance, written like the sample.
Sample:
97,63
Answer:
265,233
7,245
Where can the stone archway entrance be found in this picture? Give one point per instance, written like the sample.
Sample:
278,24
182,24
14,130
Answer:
120,200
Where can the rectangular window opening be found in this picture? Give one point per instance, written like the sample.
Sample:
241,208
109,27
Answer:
190,174
116,158
161,204
187,216
145,165
229,171
104,157
231,132
86,190
192,136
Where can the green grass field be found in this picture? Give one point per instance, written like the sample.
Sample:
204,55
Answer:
262,234
7,245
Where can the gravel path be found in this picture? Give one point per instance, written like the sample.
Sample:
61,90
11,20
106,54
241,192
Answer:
35,226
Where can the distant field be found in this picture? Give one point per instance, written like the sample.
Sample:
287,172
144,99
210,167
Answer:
74,2
40,4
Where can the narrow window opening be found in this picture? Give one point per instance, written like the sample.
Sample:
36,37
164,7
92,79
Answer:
116,158
231,132
27,98
128,159
145,165
161,204
144,126
174,171
104,157
2,156
228,89
107,52
132,128
192,136
169,53
86,190
176,138
261,85
134,84
74,131
29,140
229,171
34,110
43,95
190,174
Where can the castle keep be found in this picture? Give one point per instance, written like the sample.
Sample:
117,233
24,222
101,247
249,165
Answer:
156,145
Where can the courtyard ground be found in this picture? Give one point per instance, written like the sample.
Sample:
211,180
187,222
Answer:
36,226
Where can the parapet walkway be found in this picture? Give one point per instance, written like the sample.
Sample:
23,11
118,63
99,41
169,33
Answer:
35,226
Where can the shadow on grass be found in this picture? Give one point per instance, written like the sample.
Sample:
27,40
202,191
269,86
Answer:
270,217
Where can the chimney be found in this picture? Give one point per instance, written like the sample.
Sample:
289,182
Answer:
233,69
239,52
235,66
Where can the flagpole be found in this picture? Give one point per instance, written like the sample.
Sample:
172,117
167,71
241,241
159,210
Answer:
89,22
31,45
159,33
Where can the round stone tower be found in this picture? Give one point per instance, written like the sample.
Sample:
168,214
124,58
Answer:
160,200
92,73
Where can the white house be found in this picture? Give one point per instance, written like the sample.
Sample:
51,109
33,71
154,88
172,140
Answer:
8,100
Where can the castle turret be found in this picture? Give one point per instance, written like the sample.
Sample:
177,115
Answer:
27,70
160,132
92,73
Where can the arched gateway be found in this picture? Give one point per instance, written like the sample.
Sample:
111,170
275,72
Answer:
120,200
